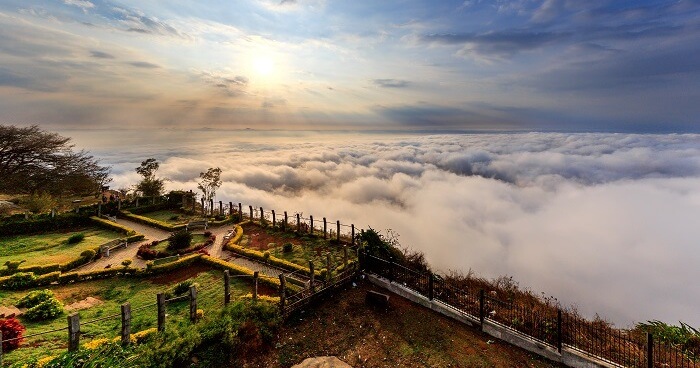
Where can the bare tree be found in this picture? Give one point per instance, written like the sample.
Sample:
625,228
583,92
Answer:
211,181
33,160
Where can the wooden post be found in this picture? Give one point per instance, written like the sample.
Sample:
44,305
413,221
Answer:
325,228
650,350
431,286
482,313
160,299
126,323
227,287
193,304
221,208
328,267
240,212
203,212
262,216
312,273
559,335
311,229
298,224
352,233
284,227
0,348
273,219
99,210
230,208
211,207
337,231
345,255
73,332
251,212
282,292
256,274
119,204
137,202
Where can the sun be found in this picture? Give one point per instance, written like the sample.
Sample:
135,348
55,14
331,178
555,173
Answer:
263,66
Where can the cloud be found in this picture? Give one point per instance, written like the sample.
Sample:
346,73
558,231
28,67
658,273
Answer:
391,83
134,20
101,55
501,44
85,5
144,65
597,220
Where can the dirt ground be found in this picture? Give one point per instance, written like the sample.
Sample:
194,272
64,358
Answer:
258,238
404,335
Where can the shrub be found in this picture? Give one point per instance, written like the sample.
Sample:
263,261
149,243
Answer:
11,328
174,218
34,298
183,287
20,280
88,254
149,265
76,238
13,265
266,256
207,233
179,240
40,203
48,309
287,248
126,263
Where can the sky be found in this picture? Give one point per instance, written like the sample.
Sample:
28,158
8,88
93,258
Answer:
603,222
522,65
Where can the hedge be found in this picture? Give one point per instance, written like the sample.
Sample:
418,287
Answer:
112,225
43,224
272,260
240,270
37,270
152,222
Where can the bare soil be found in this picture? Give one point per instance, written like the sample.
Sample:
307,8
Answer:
258,238
404,335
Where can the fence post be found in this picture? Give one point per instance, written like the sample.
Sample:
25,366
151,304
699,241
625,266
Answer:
311,229
325,228
73,332
481,308
337,231
391,269
431,286
262,216
193,303
352,234
0,348
282,292
650,350
312,273
160,299
227,287
328,267
298,224
345,255
284,227
273,219
211,207
560,338
126,323
251,213
203,213
99,210
255,285
221,208
230,208
240,212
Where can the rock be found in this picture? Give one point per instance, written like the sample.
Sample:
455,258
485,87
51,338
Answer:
11,311
322,362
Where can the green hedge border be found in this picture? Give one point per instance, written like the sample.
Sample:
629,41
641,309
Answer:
151,222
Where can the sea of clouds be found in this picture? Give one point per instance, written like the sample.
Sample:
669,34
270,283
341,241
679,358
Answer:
606,222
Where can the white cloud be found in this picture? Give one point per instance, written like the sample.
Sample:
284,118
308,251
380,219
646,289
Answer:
603,221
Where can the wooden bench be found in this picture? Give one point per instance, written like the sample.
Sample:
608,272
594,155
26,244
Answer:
114,244
193,224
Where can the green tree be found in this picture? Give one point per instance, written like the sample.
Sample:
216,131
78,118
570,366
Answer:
210,182
150,185
33,160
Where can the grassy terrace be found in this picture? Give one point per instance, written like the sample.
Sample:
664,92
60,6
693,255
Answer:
114,292
304,247
42,249
173,217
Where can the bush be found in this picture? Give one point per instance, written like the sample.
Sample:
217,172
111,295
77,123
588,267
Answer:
183,287
40,203
76,238
126,263
34,298
11,328
14,265
88,254
20,280
207,233
179,240
287,248
266,256
48,309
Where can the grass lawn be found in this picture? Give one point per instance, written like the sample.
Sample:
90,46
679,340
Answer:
304,248
173,217
113,292
42,249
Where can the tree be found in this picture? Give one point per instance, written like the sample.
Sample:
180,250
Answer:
33,160
211,181
150,185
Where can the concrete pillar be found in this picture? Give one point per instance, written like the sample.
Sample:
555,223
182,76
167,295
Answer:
193,304
126,323
73,332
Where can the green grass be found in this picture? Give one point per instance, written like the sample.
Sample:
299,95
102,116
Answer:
167,216
42,249
114,292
